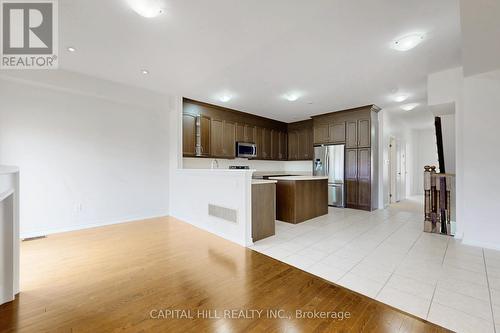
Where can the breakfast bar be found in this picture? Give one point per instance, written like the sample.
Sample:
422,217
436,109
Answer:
301,198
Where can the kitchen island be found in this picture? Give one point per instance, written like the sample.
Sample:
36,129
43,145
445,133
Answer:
301,198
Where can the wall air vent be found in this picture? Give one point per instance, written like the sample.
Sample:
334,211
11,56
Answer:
223,213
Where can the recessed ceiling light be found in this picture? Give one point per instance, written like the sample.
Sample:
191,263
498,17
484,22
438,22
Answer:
292,97
407,42
71,49
400,98
409,107
225,98
147,8
144,71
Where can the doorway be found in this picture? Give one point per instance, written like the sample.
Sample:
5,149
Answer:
397,171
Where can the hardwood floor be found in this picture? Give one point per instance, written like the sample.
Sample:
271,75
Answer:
111,278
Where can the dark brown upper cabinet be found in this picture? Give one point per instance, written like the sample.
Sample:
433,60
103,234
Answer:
240,132
337,132
223,134
266,144
364,133
321,133
300,141
189,134
275,145
250,133
352,134
283,146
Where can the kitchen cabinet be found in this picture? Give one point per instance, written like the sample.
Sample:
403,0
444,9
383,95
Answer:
223,138
351,177
266,144
293,146
258,142
300,141
240,132
250,133
188,134
358,133
263,210
336,132
321,133
352,134
275,145
364,178
283,146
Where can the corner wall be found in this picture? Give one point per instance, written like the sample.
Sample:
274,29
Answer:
90,152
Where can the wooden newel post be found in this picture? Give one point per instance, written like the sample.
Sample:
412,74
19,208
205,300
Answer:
437,204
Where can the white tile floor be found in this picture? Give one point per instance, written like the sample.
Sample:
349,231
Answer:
385,255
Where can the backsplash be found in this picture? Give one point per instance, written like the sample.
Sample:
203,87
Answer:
205,163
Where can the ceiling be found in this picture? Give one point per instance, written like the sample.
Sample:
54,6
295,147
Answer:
335,54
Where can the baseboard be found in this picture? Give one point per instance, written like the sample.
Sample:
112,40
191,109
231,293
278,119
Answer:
134,218
484,245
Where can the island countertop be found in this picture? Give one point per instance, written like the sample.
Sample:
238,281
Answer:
299,178
263,181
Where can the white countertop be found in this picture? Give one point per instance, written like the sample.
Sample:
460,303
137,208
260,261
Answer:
299,178
263,181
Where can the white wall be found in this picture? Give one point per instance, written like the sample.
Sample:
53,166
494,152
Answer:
90,152
424,153
481,161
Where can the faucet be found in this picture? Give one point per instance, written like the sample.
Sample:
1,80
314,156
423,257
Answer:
215,164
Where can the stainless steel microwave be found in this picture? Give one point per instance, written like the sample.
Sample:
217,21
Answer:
246,149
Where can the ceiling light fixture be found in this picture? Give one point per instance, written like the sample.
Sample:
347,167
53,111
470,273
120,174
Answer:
71,49
292,97
400,98
144,72
146,8
225,98
407,42
409,107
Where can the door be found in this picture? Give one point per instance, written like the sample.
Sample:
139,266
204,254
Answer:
364,133
351,178
283,146
293,145
321,133
364,178
335,164
258,142
275,145
204,135
240,132
217,137
337,132
392,171
229,135
266,143
351,134
336,195
188,134
319,164
249,134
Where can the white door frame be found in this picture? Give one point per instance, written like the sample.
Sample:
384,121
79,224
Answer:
392,170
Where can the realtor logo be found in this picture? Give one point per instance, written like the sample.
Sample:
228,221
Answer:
29,34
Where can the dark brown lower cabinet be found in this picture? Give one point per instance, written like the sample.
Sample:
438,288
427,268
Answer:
263,210
358,178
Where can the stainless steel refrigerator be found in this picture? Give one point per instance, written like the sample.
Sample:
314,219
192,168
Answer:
329,161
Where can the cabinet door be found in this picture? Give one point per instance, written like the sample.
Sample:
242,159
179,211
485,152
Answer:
205,135
188,134
303,144
337,132
364,133
351,178
275,145
293,143
364,178
283,146
321,134
249,133
258,142
266,143
351,134
217,138
240,132
229,136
